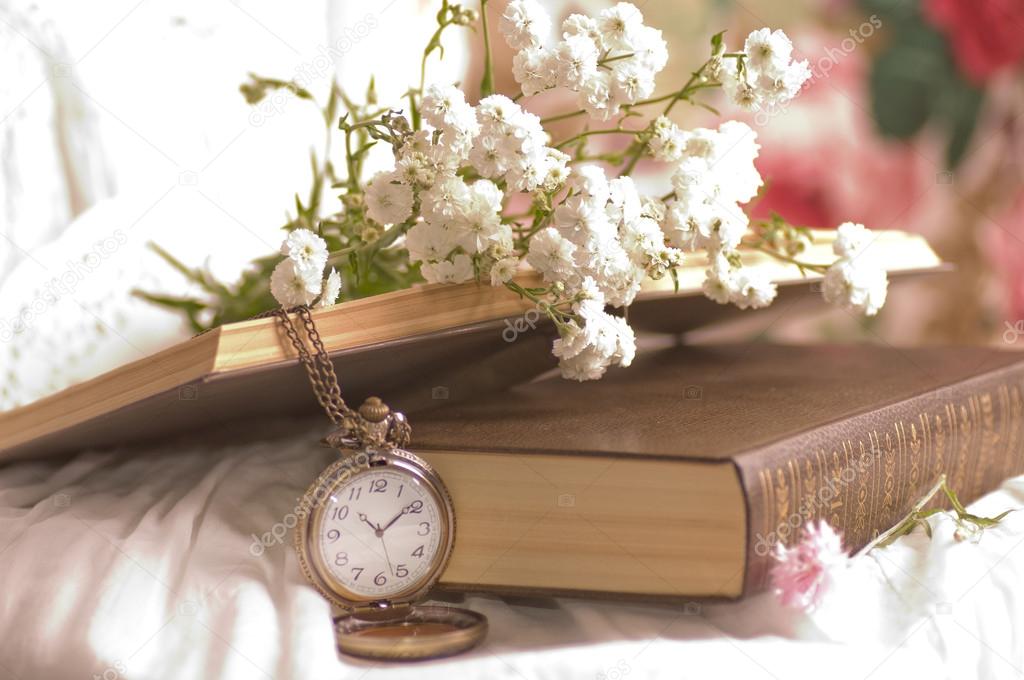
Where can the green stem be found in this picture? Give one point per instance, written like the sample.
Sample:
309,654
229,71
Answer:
818,268
590,133
487,84
683,93
687,89
608,60
911,516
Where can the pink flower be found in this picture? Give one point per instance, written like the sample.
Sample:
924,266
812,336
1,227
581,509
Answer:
985,34
806,572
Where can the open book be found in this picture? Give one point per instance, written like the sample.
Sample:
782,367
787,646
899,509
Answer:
416,346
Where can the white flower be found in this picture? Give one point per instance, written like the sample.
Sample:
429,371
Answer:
457,270
477,225
575,61
596,97
331,289
584,221
387,200
631,81
856,286
445,107
428,242
719,283
534,69
578,24
650,48
618,25
524,24
551,254
591,181
503,270
851,239
767,50
733,162
512,145
752,289
770,79
447,198
307,250
667,142
292,287
558,170
586,351
623,201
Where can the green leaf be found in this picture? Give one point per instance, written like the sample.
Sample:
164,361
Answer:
371,92
717,42
958,105
192,308
901,90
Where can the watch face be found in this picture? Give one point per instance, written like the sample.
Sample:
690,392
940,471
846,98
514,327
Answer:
380,533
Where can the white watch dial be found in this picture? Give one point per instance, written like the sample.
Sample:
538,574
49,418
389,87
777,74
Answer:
380,532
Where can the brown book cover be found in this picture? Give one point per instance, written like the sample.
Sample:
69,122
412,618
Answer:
676,476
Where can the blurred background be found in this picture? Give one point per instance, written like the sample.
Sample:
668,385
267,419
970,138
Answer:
121,124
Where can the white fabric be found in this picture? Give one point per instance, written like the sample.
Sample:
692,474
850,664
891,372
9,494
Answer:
147,565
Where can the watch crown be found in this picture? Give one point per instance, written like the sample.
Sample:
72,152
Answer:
374,410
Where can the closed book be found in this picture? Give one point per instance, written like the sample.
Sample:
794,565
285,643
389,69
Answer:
677,476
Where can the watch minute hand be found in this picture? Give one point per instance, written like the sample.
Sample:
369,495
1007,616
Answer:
394,519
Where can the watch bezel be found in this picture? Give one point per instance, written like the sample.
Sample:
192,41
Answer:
307,529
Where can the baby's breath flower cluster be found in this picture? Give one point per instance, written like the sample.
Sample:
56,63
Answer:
608,60
588,232
299,278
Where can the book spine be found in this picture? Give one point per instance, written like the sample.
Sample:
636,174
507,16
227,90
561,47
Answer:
863,474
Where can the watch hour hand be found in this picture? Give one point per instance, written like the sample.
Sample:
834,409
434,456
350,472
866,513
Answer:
376,529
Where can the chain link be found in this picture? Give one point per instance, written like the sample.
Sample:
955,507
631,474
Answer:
319,366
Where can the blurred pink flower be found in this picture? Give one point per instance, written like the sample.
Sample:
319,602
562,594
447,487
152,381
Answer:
806,572
1006,248
985,34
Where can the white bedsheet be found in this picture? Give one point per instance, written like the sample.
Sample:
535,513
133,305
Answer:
142,566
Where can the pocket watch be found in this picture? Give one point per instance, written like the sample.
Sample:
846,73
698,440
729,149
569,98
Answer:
377,528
